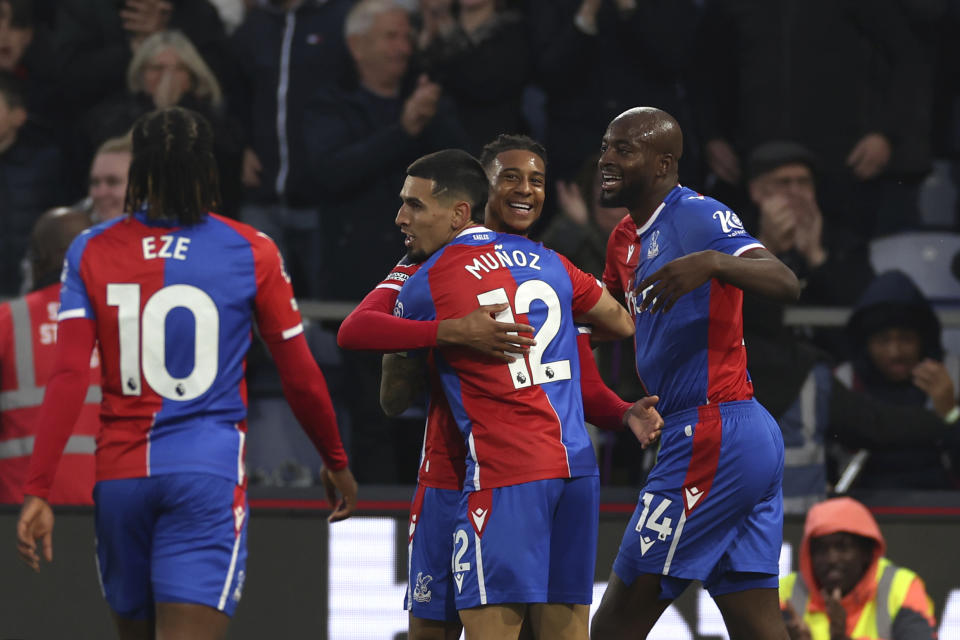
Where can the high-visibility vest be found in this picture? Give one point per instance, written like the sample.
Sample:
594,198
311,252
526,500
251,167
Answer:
876,617
27,351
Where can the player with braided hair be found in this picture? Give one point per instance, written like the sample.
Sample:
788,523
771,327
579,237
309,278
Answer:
169,293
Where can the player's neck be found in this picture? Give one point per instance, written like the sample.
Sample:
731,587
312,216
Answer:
648,204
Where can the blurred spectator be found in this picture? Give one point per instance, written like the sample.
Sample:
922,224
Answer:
96,40
108,179
284,51
26,49
478,52
597,58
582,227
846,79
832,263
231,12
816,412
28,342
167,70
30,181
846,588
360,142
898,357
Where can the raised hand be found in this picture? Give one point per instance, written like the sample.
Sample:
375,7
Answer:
934,380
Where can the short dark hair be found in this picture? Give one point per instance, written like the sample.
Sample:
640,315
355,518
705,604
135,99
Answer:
173,172
455,173
11,90
511,142
774,154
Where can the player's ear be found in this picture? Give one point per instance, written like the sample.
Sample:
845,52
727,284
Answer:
461,214
664,162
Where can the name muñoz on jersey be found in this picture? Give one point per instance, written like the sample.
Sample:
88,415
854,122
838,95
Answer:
693,354
173,308
521,421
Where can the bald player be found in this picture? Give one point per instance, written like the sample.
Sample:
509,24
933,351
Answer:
712,507
28,336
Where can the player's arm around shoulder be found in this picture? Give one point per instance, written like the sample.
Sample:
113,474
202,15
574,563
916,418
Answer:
401,381
609,318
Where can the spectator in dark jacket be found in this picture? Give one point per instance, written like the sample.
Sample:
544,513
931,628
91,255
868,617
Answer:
898,356
479,54
285,50
26,49
845,78
361,141
30,181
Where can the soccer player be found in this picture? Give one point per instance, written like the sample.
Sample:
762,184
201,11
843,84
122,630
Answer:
170,292
712,507
516,167
28,345
527,520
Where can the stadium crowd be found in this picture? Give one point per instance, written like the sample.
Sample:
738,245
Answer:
824,125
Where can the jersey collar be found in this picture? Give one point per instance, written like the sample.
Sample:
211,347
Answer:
653,218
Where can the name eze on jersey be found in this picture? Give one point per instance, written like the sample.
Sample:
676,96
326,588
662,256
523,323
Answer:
171,247
498,258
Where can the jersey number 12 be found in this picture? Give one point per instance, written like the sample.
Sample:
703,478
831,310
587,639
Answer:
539,372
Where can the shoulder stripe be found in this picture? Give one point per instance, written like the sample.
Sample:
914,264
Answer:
292,331
72,313
744,249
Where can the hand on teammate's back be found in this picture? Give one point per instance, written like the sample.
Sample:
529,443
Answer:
341,481
479,330
35,523
644,420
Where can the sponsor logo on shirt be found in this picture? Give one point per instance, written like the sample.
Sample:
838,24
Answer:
729,222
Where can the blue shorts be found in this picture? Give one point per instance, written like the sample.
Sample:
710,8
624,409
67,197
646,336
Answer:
430,590
530,542
712,508
170,538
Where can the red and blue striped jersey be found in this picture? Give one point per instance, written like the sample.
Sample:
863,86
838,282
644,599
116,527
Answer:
521,421
443,453
693,354
174,308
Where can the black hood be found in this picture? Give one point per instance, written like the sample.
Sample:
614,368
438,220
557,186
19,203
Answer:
893,300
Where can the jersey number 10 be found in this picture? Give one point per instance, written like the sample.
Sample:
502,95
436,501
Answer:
146,333
539,372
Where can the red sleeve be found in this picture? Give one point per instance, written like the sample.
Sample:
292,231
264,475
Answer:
586,288
601,406
611,275
62,402
278,316
306,390
371,326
